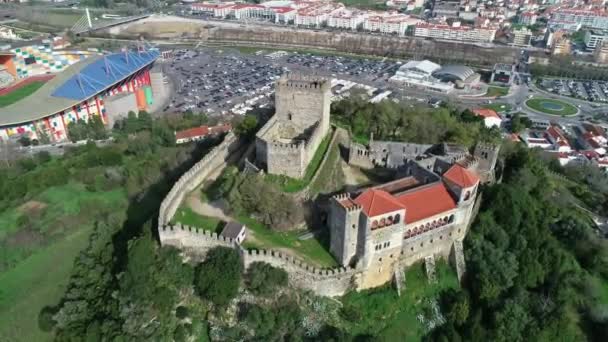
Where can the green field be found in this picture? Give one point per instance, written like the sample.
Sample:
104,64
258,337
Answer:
186,216
39,241
545,106
497,91
310,250
289,184
389,317
20,93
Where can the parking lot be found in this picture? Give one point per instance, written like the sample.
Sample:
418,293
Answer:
594,91
230,82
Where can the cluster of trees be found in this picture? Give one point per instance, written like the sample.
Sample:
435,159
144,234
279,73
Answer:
93,129
563,67
388,120
248,193
535,267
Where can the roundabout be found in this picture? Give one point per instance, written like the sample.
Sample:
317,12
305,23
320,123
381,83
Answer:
551,106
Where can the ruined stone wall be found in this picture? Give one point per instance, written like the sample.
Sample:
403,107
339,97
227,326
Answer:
323,282
191,239
214,159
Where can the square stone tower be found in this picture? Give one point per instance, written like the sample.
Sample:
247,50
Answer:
289,140
303,101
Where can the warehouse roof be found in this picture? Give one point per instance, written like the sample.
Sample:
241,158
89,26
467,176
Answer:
73,85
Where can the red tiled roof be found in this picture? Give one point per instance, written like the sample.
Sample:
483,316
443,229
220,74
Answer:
486,113
376,202
192,132
426,202
461,176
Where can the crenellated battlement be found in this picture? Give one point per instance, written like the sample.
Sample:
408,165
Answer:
254,254
287,146
300,81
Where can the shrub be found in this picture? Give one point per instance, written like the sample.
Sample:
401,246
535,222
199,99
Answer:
263,279
218,277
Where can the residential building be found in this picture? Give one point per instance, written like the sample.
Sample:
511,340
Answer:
601,53
346,19
557,137
593,38
562,45
200,133
574,18
522,37
316,14
456,32
490,117
528,18
389,23
235,231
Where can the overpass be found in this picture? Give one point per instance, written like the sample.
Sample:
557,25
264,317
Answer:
85,24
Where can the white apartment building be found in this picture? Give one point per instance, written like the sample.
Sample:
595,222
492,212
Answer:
594,38
346,19
316,14
455,32
528,18
577,18
522,37
389,23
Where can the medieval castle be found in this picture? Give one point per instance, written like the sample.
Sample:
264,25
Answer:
288,141
374,232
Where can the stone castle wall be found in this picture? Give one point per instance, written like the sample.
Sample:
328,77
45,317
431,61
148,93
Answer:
323,282
216,158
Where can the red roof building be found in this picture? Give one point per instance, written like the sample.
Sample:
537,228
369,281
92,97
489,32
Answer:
376,202
426,202
198,133
461,176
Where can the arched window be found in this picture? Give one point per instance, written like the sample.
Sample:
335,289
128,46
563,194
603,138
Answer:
374,224
467,195
451,218
289,117
382,222
397,218
390,220
408,233
415,230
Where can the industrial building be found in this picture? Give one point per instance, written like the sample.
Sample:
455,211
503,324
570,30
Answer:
419,74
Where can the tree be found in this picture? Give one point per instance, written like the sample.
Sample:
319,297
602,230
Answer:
247,127
264,279
218,277
25,141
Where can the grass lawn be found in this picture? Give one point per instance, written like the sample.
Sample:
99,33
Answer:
382,313
497,91
289,184
310,250
20,93
188,217
553,107
37,281
499,107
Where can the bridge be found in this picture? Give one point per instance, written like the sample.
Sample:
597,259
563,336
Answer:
86,24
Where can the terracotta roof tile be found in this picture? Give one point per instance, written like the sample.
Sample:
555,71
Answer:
461,176
486,113
426,202
377,202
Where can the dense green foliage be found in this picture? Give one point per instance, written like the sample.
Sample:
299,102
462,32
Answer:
94,129
391,121
529,278
218,278
563,67
251,194
263,279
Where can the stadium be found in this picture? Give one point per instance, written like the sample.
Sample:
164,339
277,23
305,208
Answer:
42,91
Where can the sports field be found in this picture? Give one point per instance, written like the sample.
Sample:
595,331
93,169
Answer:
551,106
20,93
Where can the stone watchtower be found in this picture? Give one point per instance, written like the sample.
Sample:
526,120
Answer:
487,155
289,140
344,228
303,101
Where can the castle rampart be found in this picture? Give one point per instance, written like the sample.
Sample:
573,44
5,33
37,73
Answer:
213,160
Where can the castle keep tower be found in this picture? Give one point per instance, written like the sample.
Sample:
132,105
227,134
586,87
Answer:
303,101
288,141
